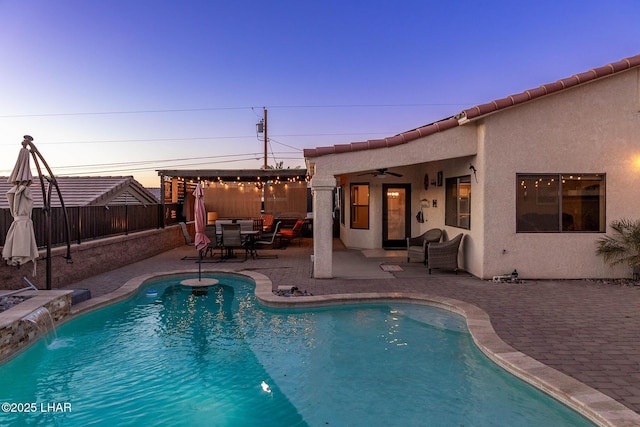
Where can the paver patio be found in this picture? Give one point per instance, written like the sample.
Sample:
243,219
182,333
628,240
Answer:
586,329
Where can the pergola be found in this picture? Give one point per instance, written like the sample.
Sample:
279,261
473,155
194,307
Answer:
237,193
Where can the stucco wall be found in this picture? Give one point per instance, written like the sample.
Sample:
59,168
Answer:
412,160
593,128
93,257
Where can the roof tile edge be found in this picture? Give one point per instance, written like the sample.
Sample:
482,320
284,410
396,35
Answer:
481,109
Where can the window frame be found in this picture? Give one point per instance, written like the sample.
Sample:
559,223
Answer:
354,207
558,200
453,215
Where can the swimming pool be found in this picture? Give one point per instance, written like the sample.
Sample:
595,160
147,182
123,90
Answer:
215,357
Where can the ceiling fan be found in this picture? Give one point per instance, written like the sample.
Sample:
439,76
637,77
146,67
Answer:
381,173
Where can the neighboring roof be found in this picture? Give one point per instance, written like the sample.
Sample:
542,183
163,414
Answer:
156,191
235,174
88,191
479,110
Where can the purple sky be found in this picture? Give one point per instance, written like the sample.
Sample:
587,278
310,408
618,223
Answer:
125,87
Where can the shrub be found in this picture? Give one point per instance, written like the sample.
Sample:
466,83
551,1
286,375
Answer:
623,247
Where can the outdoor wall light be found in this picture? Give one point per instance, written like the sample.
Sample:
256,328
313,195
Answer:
473,168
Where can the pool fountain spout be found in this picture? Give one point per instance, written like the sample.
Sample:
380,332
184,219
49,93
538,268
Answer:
42,319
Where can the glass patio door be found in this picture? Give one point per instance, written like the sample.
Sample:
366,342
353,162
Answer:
396,215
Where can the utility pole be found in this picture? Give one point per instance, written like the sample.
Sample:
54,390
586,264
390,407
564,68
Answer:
265,138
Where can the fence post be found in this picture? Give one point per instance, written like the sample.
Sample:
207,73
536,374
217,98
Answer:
79,225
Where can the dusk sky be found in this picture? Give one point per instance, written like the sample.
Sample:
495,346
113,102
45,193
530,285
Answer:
125,87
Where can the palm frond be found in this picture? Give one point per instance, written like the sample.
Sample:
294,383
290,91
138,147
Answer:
624,246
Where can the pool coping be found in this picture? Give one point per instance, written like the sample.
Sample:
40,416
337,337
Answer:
591,403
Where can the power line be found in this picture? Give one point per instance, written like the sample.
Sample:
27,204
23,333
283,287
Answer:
186,159
104,113
286,145
150,168
201,138
156,163
190,110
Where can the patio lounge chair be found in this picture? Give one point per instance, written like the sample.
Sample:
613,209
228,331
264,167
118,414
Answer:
417,246
267,223
289,234
445,254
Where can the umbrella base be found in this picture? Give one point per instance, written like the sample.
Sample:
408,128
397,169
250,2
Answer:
199,282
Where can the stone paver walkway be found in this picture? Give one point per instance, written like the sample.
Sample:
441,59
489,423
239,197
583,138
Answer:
588,330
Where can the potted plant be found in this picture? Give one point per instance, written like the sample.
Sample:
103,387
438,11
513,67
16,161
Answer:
624,246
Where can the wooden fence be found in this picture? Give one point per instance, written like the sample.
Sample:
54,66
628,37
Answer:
90,222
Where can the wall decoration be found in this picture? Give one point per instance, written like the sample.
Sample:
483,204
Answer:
440,179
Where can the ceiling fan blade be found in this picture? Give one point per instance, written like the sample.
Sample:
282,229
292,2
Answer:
382,172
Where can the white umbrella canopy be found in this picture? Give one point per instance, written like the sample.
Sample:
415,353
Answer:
20,246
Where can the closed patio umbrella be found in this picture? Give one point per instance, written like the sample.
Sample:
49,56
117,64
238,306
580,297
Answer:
201,240
20,245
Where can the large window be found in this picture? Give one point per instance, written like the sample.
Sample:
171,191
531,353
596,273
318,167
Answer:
458,202
360,206
560,203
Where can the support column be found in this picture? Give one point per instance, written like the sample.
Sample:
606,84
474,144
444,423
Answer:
322,188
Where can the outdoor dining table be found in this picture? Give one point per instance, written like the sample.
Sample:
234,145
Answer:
250,238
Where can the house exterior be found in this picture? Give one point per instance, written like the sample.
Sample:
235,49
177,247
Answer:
532,180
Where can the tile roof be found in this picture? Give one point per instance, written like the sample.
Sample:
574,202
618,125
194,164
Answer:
479,110
88,191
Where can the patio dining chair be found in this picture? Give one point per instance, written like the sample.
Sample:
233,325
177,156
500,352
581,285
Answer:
214,239
445,254
417,246
245,224
267,241
232,239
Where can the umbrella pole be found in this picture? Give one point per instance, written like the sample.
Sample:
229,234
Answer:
199,266
48,221
51,180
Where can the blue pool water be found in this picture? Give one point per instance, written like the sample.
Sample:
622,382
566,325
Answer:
180,358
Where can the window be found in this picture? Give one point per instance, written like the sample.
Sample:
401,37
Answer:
360,206
560,203
458,202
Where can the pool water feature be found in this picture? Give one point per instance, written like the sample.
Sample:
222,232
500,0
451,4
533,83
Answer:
214,356
42,319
